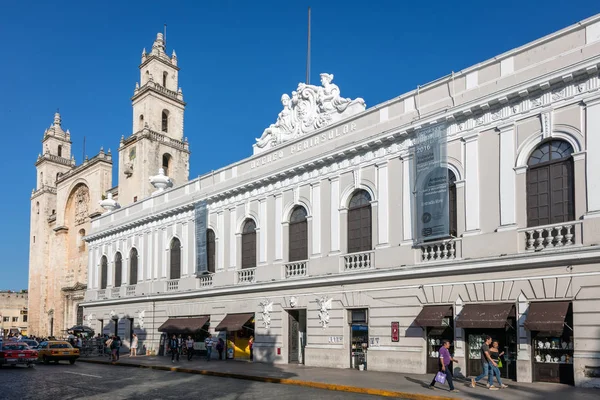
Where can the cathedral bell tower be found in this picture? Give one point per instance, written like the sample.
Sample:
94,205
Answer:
157,140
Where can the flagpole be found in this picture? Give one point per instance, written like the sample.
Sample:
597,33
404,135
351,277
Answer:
308,52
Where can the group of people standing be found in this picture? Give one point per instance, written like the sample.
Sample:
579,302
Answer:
112,346
490,362
177,344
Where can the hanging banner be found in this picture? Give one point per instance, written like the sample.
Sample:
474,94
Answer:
430,184
201,222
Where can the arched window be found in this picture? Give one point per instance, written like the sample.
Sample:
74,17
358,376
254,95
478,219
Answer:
165,121
59,150
165,79
103,272
359,222
550,184
141,123
210,250
166,163
249,244
452,203
118,269
175,259
298,235
133,266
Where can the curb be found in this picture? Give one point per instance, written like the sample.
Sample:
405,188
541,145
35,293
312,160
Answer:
283,381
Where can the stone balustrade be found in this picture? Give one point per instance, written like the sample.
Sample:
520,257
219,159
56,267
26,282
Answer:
115,292
295,269
205,281
439,250
172,285
130,291
552,236
102,294
357,261
247,275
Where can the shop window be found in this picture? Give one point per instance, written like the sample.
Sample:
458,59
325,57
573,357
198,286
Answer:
118,269
175,253
103,272
249,244
359,222
298,235
550,184
133,266
210,250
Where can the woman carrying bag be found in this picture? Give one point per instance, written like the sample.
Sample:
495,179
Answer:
496,368
445,372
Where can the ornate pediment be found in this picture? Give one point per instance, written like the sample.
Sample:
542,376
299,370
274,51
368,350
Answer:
309,108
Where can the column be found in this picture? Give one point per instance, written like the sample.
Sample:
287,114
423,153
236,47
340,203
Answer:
185,262
220,242
407,197
472,182
91,277
507,178
335,215
278,227
262,239
315,232
592,128
383,204
232,239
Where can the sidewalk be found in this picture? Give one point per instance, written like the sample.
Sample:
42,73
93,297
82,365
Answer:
386,384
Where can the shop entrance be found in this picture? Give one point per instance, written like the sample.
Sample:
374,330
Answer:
296,336
359,338
437,322
497,320
239,330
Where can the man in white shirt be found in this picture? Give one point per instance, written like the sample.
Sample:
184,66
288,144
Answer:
189,345
209,345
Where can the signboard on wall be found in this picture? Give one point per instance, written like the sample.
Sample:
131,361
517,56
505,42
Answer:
430,184
395,331
201,215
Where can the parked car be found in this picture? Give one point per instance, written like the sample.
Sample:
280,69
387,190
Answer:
14,353
56,351
31,343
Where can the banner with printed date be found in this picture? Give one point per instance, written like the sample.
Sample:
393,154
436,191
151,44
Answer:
200,210
430,184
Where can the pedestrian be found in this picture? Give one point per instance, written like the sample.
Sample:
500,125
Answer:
208,342
251,345
134,345
114,348
107,347
189,344
119,343
446,361
173,347
494,353
486,362
79,343
220,348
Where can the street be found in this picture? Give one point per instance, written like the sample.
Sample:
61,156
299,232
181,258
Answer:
91,381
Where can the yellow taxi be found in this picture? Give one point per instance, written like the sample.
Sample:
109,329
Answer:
56,350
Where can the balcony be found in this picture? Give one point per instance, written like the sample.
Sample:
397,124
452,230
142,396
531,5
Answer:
295,269
440,250
115,292
130,291
102,294
553,236
357,261
247,275
205,281
172,285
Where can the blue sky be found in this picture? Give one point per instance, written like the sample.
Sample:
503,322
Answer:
236,59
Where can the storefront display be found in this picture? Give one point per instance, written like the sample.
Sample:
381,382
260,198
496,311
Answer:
438,324
552,341
239,329
359,339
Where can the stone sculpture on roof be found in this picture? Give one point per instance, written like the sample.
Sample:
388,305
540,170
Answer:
310,107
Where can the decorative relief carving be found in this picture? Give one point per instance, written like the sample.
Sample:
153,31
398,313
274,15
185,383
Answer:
324,307
310,108
82,198
267,309
558,94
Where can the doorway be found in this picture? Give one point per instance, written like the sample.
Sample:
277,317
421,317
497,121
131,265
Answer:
296,336
359,338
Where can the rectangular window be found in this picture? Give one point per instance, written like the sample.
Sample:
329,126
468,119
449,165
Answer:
15,319
6,319
24,318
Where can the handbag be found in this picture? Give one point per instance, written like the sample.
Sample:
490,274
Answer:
499,363
440,377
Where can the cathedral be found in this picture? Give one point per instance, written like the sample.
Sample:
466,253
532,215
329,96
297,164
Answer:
66,197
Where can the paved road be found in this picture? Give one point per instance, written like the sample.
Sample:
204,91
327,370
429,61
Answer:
92,381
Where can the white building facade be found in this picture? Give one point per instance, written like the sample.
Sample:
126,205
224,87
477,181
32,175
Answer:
310,242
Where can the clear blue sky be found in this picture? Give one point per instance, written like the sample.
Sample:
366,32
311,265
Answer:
236,59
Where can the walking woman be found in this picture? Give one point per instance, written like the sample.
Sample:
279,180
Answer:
114,346
134,345
446,361
496,357
251,345
189,345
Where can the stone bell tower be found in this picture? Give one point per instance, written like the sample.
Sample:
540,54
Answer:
157,140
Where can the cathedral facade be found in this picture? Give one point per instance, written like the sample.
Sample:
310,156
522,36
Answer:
66,197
